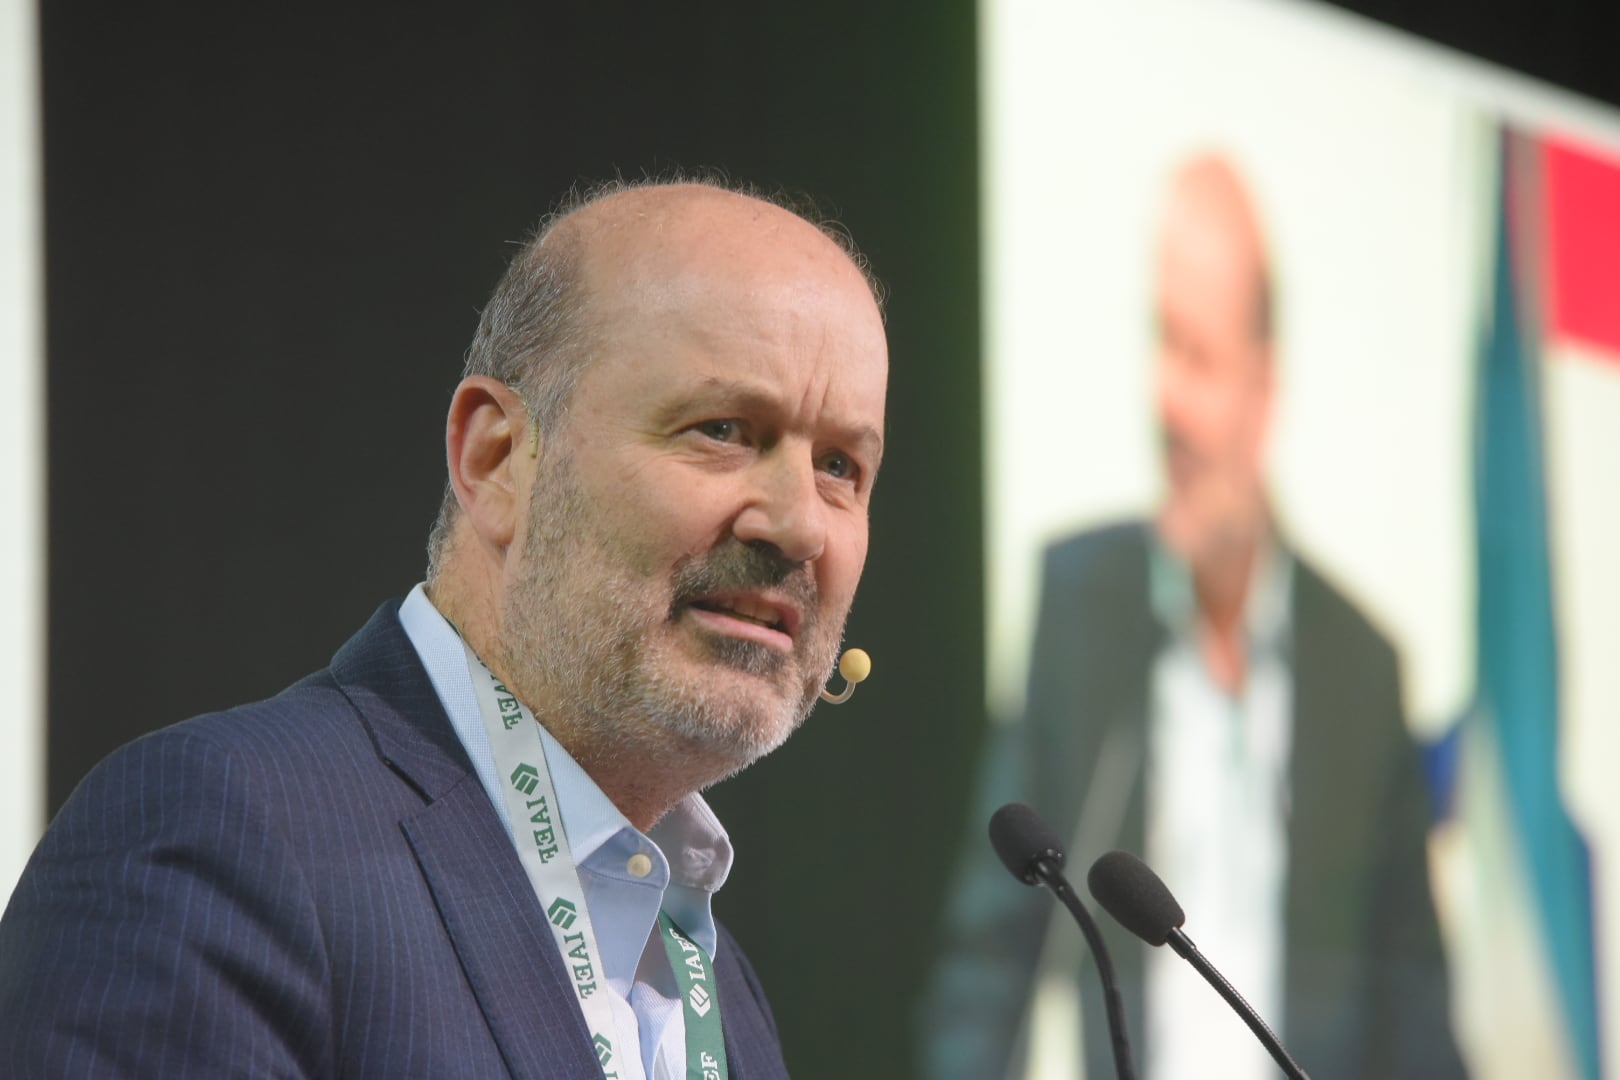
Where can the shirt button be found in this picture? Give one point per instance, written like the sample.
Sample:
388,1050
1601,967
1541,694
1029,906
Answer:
639,865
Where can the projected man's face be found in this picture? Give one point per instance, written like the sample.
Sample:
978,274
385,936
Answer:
1214,371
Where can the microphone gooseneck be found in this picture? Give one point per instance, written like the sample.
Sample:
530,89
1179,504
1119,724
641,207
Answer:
1129,890
1030,850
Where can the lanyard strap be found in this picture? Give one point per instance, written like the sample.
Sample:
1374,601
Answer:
548,861
700,1002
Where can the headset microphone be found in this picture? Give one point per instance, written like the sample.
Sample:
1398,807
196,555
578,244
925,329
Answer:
854,666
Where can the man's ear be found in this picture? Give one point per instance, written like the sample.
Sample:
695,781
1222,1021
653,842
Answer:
488,438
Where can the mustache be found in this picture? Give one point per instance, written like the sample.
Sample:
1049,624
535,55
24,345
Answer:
737,566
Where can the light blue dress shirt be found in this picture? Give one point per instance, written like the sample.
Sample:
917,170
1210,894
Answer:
627,876
1217,819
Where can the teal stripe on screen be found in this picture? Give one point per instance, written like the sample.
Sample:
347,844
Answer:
1518,652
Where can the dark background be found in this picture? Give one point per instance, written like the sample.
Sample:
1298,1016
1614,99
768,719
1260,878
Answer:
268,236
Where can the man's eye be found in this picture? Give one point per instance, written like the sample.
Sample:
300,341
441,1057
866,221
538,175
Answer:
839,466
720,430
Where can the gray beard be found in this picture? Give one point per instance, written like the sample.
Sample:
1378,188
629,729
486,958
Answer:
576,632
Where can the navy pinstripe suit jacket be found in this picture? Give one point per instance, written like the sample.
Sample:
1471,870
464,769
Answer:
314,885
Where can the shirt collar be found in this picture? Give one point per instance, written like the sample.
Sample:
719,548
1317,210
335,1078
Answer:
690,837
697,846
1265,608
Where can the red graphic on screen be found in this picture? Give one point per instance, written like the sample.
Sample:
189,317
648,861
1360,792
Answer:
1583,234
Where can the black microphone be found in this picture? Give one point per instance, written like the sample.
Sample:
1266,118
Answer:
1133,894
1030,849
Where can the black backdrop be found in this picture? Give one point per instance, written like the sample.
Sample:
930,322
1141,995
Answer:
268,236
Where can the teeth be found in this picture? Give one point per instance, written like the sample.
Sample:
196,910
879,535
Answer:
753,610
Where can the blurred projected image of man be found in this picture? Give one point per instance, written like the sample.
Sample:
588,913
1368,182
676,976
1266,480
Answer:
1200,694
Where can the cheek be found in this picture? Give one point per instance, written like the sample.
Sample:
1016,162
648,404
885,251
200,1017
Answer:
842,563
1226,421
1246,427
1193,405
669,517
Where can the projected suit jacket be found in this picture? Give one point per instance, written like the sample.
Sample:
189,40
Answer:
313,885
1364,978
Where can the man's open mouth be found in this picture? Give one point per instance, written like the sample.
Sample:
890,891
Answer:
747,609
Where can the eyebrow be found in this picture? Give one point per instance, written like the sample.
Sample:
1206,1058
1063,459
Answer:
746,396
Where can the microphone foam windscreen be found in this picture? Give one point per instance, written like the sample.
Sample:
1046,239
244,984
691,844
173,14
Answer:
1133,894
1021,839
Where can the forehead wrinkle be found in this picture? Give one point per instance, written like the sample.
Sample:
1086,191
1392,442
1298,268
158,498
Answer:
712,391
863,438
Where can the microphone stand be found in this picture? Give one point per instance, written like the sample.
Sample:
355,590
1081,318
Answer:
1189,952
1053,879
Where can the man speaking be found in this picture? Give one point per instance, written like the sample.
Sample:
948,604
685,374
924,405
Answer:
474,845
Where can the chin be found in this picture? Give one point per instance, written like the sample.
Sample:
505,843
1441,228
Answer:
758,721
733,717
731,699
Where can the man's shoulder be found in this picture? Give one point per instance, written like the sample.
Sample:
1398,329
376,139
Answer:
275,751
1111,555
312,710
1322,608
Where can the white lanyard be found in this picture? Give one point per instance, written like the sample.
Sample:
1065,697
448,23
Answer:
542,845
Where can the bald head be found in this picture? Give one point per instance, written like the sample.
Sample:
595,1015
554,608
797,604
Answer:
543,321
652,250
534,333
1211,228
623,225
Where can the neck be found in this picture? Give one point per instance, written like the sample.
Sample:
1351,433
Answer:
1225,565
643,772
469,605
1221,583
639,788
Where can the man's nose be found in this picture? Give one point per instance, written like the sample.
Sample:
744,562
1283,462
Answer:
784,507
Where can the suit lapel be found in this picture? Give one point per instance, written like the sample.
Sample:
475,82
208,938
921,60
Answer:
489,910
500,935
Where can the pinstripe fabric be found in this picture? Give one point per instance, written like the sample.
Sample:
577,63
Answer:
314,885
